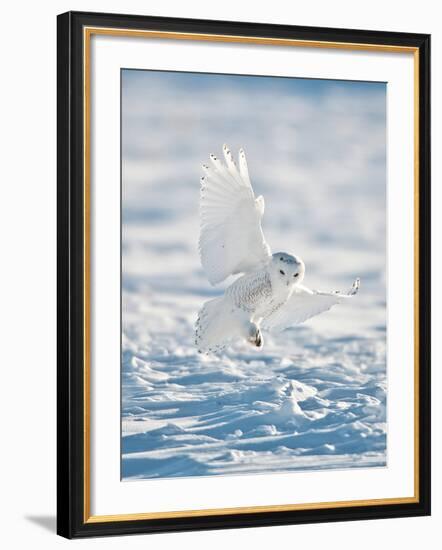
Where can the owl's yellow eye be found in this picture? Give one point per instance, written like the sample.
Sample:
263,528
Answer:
282,272
296,274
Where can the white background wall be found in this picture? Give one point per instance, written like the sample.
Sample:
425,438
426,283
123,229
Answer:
27,303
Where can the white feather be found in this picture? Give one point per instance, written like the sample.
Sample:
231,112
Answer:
219,323
304,304
231,237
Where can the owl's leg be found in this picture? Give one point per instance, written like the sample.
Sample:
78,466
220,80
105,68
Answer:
255,336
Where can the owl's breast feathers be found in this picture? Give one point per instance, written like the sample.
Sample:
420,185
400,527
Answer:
254,294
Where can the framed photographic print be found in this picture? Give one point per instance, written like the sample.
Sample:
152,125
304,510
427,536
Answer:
243,274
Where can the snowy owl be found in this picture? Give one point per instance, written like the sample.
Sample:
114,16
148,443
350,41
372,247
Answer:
268,294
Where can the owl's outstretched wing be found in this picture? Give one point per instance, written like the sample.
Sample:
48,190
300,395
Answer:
231,238
304,304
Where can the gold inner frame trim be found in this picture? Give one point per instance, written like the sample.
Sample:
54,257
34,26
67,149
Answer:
134,33
267,41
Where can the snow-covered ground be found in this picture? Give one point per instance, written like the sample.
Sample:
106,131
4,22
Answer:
315,396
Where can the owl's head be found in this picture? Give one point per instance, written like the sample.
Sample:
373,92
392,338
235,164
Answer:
287,268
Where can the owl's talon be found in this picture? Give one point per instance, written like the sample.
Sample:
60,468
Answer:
255,337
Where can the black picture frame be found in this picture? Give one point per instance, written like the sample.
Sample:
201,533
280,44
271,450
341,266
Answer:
71,394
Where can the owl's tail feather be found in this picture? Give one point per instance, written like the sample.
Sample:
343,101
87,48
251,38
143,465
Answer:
215,326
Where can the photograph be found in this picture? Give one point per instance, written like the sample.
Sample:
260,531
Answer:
253,274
